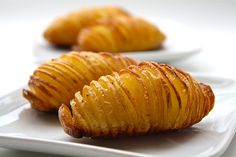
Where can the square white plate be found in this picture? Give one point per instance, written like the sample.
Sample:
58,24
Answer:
24,128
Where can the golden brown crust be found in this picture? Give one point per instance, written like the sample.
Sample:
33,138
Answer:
138,100
66,116
120,34
55,82
64,30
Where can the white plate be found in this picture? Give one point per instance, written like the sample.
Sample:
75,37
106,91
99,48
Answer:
26,129
181,43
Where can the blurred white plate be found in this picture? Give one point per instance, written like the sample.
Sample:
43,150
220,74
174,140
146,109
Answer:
181,43
26,129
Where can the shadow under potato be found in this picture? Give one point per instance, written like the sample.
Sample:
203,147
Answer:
61,48
145,143
77,48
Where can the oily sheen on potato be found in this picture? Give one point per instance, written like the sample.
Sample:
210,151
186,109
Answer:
55,82
140,99
64,30
120,34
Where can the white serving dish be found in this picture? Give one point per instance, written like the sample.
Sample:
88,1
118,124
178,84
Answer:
26,129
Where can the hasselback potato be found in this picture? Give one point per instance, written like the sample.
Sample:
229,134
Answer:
64,30
138,100
55,82
120,34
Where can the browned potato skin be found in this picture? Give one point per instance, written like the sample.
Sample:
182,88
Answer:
64,30
142,99
55,82
120,34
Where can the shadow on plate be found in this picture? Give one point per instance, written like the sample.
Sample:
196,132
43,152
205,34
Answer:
145,143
